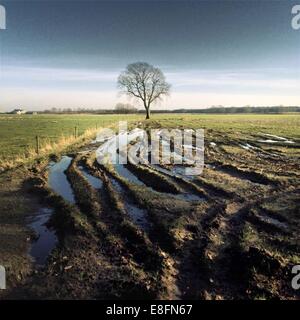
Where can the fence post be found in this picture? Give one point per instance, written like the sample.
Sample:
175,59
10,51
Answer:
37,140
75,132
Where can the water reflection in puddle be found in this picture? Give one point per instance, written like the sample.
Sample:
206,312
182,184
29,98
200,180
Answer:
46,240
273,221
94,181
176,171
128,175
58,181
179,172
138,215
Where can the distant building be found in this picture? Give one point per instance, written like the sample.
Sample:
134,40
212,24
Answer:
18,111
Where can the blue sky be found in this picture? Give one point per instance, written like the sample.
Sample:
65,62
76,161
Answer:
69,53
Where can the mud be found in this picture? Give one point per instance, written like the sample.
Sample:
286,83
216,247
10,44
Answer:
151,232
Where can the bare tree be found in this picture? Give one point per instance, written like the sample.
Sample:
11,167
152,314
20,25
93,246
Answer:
143,81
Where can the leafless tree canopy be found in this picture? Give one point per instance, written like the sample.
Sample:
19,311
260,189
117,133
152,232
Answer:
143,81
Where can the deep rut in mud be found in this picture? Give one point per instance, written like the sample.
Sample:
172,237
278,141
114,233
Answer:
173,236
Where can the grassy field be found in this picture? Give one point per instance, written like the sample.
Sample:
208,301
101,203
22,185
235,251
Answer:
280,124
18,132
143,232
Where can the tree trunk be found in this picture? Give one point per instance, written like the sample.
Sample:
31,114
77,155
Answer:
147,112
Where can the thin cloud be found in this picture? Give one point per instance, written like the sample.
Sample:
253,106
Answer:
40,88
242,79
55,74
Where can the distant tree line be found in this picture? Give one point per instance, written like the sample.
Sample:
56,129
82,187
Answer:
246,109
123,108
77,111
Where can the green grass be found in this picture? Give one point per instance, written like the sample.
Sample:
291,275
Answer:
17,133
287,125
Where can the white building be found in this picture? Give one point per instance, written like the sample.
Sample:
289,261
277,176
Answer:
18,111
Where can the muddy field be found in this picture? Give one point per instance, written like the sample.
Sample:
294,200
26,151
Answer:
151,232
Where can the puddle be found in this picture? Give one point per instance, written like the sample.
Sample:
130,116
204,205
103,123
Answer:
128,175
42,247
138,215
163,170
179,172
273,221
176,171
58,181
93,181
248,146
109,148
274,136
260,152
275,139
269,141
189,197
